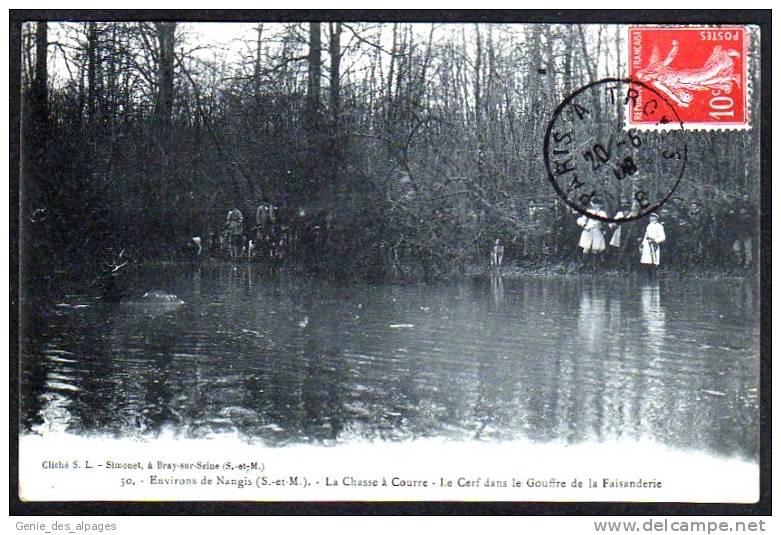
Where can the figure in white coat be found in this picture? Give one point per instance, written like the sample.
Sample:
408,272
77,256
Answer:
592,240
622,232
650,249
615,239
497,254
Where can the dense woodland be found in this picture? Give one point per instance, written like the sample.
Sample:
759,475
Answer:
395,151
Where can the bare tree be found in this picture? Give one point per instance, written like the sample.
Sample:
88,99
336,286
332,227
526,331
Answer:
165,33
335,53
314,62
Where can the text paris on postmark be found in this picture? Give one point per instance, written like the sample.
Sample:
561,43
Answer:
591,155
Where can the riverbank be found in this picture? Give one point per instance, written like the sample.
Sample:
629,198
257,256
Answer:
575,270
63,281
516,271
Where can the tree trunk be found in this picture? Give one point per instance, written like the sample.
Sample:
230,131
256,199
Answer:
92,45
165,73
400,67
315,66
587,53
389,90
164,108
568,61
478,94
40,83
256,74
335,52
37,131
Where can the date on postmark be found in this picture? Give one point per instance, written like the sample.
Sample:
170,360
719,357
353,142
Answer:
700,70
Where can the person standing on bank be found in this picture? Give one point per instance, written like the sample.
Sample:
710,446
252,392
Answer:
623,233
649,247
592,240
497,254
235,225
265,226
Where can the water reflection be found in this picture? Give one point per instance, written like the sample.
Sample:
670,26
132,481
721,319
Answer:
592,318
497,288
281,359
653,316
197,283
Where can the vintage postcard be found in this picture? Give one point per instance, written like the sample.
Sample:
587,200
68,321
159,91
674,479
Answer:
459,260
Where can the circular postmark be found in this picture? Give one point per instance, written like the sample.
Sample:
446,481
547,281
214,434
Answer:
590,155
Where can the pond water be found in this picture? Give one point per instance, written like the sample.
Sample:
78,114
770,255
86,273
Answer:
281,359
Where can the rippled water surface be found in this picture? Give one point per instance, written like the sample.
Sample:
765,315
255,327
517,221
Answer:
288,359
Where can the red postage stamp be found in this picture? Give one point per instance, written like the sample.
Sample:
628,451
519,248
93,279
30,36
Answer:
699,70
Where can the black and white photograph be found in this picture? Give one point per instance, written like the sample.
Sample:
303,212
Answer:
288,258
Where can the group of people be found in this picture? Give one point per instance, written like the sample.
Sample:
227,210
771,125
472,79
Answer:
620,239
593,244
719,231
263,239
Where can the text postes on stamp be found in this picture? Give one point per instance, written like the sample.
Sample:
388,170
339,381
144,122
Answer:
700,69
591,157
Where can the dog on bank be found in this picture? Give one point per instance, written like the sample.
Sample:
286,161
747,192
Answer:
194,248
